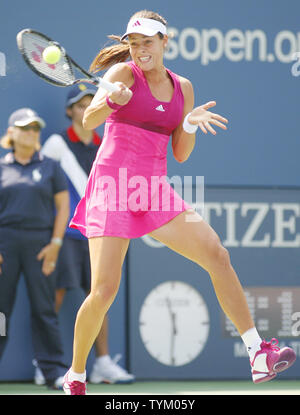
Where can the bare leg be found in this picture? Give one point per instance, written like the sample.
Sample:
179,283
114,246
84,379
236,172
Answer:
198,242
107,255
101,342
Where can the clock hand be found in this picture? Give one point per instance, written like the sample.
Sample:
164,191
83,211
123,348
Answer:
174,330
172,315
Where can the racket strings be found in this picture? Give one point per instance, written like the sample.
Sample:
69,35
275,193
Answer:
33,47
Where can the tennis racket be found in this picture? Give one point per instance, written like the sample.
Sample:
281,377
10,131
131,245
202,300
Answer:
31,44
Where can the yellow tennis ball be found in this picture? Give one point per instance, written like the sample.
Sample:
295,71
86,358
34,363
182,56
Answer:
51,54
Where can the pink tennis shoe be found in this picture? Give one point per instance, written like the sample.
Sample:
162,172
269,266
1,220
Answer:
73,388
270,360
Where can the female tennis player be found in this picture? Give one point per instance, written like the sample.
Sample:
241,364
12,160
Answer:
151,105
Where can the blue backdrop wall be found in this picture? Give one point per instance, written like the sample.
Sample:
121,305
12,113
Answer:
238,53
243,54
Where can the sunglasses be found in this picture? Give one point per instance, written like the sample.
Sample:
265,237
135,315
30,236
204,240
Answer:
34,127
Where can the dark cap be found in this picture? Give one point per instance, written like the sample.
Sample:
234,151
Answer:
25,116
78,92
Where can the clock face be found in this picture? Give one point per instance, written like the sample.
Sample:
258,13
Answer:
174,323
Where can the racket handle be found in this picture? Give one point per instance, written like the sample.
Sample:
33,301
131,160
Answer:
107,85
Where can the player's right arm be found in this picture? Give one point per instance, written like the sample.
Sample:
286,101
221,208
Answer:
98,110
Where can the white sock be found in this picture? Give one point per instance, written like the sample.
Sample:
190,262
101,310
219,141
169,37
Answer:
252,341
73,376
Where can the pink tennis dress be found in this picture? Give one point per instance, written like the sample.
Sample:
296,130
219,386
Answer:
128,194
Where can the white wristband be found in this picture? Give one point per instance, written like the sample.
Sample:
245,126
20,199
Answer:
56,241
188,127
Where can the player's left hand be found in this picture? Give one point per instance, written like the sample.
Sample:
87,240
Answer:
204,118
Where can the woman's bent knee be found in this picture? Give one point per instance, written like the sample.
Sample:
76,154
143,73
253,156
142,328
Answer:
103,296
222,257
217,258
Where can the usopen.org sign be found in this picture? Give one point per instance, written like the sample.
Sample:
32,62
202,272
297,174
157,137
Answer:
236,45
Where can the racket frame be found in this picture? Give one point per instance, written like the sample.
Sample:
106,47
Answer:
90,79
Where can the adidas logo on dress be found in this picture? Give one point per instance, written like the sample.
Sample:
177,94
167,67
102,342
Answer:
160,108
